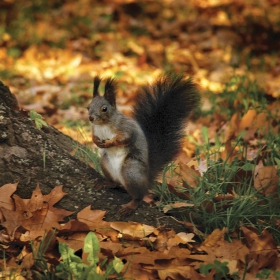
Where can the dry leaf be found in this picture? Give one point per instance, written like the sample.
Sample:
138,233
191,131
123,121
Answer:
134,230
263,249
5,196
212,239
247,120
265,179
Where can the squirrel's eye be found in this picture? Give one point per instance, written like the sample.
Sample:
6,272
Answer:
104,108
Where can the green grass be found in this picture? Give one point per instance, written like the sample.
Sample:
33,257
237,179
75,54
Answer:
248,206
239,95
89,155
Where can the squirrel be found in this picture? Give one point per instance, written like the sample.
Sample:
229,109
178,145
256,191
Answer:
135,150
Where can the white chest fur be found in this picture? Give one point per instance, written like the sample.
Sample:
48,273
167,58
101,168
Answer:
114,155
103,132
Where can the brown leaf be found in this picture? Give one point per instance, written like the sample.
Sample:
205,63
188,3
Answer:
179,190
170,206
21,204
136,271
36,214
13,220
212,239
180,238
223,249
265,179
177,272
229,153
27,261
94,220
74,241
74,226
134,230
247,120
233,126
41,220
36,201
5,196
52,198
189,174
163,236
263,249
186,237
88,219
192,228
89,216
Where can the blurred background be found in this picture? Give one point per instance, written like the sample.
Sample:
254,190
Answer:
50,50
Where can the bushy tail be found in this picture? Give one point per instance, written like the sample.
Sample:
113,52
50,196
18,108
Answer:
161,110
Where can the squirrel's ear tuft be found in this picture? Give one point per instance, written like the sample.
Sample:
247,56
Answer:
96,83
110,91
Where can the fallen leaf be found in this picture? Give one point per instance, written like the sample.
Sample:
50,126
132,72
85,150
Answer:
212,239
247,120
13,221
266,179
134,230
263,249
170,206
186,237
5,196
52,198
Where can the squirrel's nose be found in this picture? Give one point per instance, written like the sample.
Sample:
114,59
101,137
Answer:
91,118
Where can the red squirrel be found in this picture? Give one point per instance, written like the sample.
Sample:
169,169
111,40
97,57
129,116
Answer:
135,150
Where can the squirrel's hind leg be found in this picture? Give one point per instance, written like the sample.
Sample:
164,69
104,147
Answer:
135,176
110,183
130,207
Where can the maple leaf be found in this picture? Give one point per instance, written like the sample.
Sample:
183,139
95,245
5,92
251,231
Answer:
52,198
13,220
43,215
88,219
36,214
94,220
5,196
263,249
41,220
91,217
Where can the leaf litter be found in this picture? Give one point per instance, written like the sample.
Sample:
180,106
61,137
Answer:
145,250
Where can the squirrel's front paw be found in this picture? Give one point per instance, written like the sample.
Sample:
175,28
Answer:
98,142
102,144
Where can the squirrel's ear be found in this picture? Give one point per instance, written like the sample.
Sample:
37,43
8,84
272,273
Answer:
110,91
96,83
